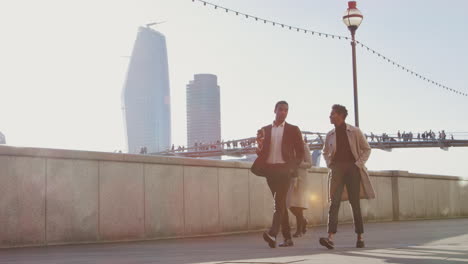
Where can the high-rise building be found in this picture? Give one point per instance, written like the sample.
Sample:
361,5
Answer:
146,95
203,110
2,138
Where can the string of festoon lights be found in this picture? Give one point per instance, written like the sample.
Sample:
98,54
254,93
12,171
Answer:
330,36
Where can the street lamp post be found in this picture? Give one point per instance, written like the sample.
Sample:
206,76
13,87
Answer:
352,19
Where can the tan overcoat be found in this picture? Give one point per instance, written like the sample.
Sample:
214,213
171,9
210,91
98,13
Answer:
361,152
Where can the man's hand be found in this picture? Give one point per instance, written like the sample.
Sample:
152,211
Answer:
260,138
259,146
260,143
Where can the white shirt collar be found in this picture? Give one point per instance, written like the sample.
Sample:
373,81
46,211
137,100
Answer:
281,125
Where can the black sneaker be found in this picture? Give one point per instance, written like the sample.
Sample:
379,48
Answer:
326,243
297,234
269,239
360,244
287,243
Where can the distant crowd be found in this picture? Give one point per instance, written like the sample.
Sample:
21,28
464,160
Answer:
219,144
250,142
409,136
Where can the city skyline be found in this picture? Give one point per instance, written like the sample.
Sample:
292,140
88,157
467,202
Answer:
63,90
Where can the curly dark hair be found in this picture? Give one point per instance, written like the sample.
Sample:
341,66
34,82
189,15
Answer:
340,109
281,102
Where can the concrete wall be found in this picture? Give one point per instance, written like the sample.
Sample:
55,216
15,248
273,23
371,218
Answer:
62,197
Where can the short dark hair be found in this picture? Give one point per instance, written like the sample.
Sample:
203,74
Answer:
340,109
281,102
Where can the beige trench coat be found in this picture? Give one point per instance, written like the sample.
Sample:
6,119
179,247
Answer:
361,152
297,197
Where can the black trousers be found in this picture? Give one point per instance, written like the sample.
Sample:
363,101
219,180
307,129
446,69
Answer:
345,174
278,180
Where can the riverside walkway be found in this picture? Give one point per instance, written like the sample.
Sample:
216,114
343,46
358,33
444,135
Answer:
404,242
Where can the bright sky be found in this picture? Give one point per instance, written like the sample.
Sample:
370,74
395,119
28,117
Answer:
63,63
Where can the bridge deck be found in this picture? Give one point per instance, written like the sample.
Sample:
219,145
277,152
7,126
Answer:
383,145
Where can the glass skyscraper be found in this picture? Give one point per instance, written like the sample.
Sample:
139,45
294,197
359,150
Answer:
146,94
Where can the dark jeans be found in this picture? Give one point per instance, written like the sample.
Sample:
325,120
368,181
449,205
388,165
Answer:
278,180
345,174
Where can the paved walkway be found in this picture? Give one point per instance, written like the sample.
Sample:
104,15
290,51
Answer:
413,242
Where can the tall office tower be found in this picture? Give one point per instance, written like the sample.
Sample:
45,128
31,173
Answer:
146,95
2,138
203,110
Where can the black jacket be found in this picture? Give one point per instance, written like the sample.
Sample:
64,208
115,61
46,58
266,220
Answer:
292,149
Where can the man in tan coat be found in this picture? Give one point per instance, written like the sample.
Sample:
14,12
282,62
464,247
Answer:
346,151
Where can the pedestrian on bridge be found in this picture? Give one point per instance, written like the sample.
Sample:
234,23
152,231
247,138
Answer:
280,151
346,152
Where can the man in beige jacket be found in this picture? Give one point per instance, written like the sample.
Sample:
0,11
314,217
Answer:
346,151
